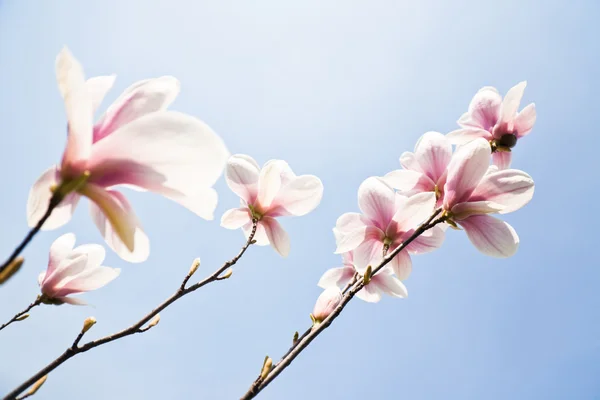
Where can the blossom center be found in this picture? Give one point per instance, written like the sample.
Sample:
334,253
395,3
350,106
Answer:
257,215
505,143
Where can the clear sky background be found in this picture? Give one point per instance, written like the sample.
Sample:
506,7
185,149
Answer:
338,89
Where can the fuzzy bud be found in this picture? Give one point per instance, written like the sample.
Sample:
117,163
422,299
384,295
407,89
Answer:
88,323
194,267
11,269
37,385
267,365
326,303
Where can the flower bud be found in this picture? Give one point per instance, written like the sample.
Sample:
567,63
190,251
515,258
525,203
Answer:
154,321
267,365
37,385
11,269
88,323
194,267
326,303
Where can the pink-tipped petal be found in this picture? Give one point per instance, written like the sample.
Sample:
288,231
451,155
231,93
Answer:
278,237
260,236
59,250
376,199
370,294
97,87
269,182
118,224
39,199
485,107
235,218
415,210
242,176
176,155
525,120
140,99
491,236
387,283
78,106
479,207
94,252
300,196
502,159
510,188
350,231
368,253
463,136
401,265
336,277
74,301
68,267
87,280
433,152
430,240
510,104
407,181
469,164
409,162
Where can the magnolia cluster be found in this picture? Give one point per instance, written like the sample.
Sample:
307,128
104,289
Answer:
460,185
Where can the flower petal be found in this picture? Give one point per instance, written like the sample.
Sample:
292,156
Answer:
430,240
88,280
117,223
407,181
415,210
260,236
235,218
59,250
502,159
39,200
409,162
139,99
511,188
68,267
78,106
175,155
269,182
525,120
370,294
485,108
376,200
433,152
278,237
480,207
368,253
463,136
401,265
94,252
387,283
242,176
336,277
350,231
491,236
510,104
468,165
300,196
97,88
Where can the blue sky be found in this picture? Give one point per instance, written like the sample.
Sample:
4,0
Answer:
338,89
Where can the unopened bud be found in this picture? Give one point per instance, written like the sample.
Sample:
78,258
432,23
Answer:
267,365
227,274
194,267
37,385
88,323
296,336
11,269
367,276
154,321
326,303
22,317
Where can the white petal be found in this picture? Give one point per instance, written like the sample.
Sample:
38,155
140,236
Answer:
39,199
511,102
409,161
389,284
301,195
269,182
370,294
242,176
525,120
278,237
94,252
97,87
336,277
260,236
463,136
350,231
401,265
89,279
414,211
491,236
376,199
59,250
235,218
509,188
433,152
403,180
430,240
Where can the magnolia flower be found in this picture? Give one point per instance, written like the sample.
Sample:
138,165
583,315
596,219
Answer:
473,190
425,170
267,193
388,218
326,303
136,143
497,121
73,270
383,281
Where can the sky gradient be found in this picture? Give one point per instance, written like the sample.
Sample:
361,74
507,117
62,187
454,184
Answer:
338,89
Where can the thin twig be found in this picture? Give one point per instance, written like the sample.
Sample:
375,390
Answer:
54,202
137,327
18,316
261,382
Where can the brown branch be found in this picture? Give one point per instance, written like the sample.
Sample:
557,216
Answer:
137,327
263,381
18,316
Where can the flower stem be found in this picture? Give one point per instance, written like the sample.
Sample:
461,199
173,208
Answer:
18,316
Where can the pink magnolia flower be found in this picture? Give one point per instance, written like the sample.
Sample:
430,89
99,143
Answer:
497,121
267,193
383,281
73,270
388,218
136,143
326,303
473,190
426,169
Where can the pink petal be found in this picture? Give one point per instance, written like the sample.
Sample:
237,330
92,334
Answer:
88,280
78,106
433,152
368,253
278,237
59,250
510,104
468,165
409,162
350,230
485,107
409,182
376,200
370,294
72,300
502,159
97,87
235,218
477,207
415,210
401,265
428,241
270,182
327,303
491,236
336,277
242,176
525,120
260,236
299,196
117,223
94,252
70,266
39,199
510,188
140,99
175,155
463,136
387,283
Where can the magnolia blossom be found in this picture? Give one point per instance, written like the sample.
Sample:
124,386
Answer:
267,193
136,143
73,270
473,191
383,281
497,121
326,303
426,169
388,219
